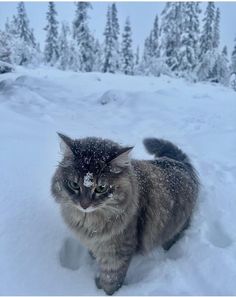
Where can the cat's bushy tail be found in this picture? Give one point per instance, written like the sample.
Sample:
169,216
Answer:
164,148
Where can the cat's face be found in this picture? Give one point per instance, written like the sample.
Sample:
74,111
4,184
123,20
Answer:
92,173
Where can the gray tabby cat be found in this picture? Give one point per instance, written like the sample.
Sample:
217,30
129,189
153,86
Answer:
118,206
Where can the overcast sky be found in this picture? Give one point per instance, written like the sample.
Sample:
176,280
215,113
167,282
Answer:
141,16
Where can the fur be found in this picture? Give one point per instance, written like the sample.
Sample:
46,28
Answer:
146,203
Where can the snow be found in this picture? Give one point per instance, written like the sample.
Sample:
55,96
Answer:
88,180
38,251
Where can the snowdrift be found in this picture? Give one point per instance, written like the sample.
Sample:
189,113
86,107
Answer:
37,250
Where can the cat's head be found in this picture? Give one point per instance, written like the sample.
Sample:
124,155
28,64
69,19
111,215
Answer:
94,173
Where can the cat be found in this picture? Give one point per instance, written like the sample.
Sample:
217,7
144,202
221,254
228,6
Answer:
119,206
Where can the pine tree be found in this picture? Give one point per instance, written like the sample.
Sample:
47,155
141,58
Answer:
83,37
151,50
51,51
73,60
63,43
109,63
127,52
216,30
5,48
207,36
137,56
220,71
23,30
233,68
189,40
115,34
171,31
154,39
21,38
97,53
233,59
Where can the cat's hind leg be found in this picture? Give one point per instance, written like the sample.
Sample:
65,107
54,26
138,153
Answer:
168,244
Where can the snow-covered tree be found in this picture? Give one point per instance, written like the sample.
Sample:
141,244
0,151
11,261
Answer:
204,69
127,51
136,62
151,51
171,31
220,71
51,51
97,54
5,47
115,34
207,35
24,49
216,29
111,58
74,59
64,48
233,59
233,81
154,39
84,39
190,36
23,30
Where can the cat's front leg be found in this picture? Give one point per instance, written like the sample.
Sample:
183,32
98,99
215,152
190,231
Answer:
114,261
111,279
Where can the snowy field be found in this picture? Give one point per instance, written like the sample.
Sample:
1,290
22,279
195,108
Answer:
38,254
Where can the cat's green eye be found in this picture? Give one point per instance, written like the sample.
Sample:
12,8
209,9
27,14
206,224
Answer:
73,185
101,189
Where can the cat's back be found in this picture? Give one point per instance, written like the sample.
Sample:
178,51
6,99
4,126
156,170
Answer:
167,194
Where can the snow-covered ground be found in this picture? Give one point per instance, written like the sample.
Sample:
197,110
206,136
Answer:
38,254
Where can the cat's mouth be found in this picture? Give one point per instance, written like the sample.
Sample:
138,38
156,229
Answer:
87,210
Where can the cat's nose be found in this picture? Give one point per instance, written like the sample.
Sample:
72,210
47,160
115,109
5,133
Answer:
85,203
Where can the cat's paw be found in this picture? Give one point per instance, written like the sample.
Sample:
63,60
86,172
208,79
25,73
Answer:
108,287
97,282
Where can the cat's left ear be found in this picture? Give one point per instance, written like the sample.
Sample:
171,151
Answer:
66,145
122,160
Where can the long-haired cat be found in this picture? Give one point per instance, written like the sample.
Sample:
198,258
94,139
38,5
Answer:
117,205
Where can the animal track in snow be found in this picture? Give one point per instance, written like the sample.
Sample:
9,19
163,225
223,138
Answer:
70,254
217,236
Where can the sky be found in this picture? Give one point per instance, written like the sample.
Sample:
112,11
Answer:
141,16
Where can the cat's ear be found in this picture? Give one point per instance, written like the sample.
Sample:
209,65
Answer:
66,144
122,160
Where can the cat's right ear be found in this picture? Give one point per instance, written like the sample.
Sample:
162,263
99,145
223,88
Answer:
66,144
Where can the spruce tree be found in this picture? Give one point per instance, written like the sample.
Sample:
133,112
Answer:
127,51
97,53
151,53
154,39
216,30
22,23
220,71
51,51
21,38
5,48
63,43
233,59
83,37
115,34
109,63
207,36
137,56
190,37
171,31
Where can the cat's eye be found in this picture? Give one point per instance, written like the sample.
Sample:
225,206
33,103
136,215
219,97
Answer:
73,185
101,189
